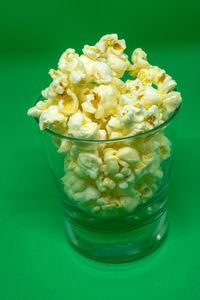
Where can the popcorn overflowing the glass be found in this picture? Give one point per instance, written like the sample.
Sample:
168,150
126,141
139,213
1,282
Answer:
114,140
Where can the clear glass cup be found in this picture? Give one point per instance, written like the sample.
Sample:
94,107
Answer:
120,216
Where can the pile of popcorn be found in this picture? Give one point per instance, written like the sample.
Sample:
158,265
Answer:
87,100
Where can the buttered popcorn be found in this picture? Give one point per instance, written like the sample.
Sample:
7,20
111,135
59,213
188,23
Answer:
89,100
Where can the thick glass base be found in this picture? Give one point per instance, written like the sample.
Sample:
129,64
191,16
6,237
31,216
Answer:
118,246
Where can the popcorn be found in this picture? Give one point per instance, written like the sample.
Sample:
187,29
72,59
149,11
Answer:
118,64
65,147
131,114
82,127
97,71
139,59
171,101
37,110
152,116
107,96
112,49
73,66
114,123
127,98
87,100
57,88
110,42
52,119
89,164
91,51
128,154
105,183
68,104
150,96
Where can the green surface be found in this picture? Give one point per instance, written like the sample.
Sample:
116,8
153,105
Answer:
36,262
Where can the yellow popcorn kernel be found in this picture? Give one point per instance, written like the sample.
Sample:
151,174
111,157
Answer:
68,104
120,85
107,96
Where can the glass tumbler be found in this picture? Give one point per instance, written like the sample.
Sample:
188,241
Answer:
114,192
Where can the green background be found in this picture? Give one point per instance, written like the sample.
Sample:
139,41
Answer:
35,260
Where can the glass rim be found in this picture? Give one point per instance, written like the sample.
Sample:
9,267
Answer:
111,140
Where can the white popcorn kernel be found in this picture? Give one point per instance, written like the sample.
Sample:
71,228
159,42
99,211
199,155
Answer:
73,183
167,85
114,123
140,169
57,88
82,127
165,146
150,96
105,183
130,203
111,160
152,116
108,41
97,71
127,99
132,113
91,103
89,164
91,51
52,119
118,64
102,134
171,101
145,191
103,73
91,193
65,146
123,185
38,109
76,121
79,185
107,95
73,66
115,135
128,154
139,60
